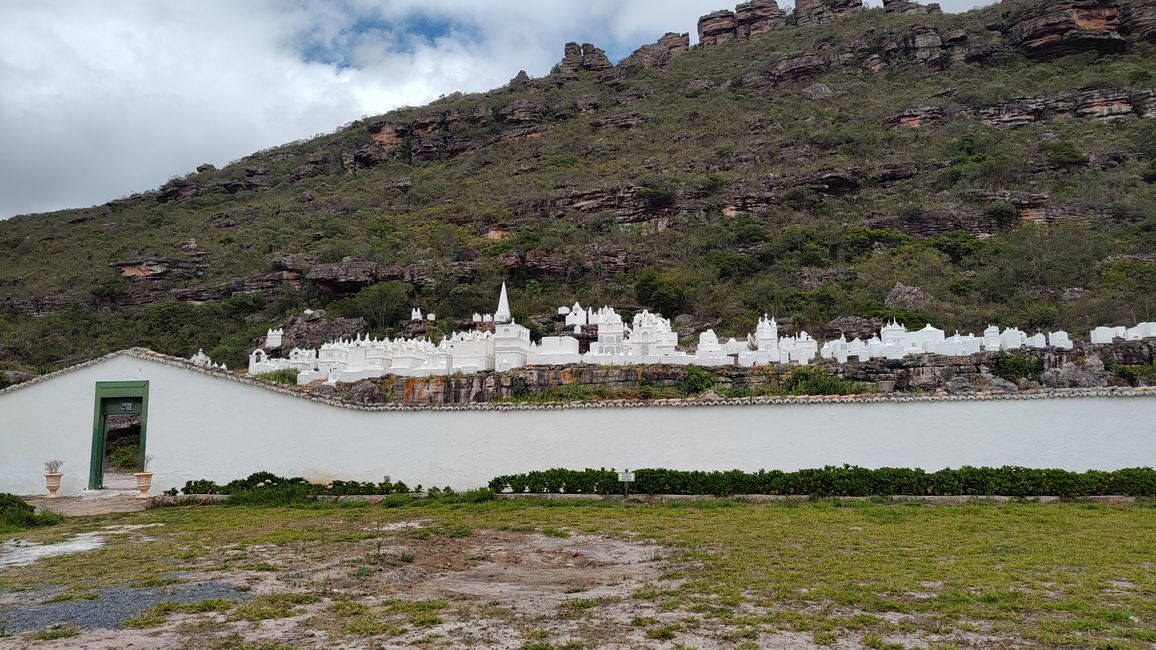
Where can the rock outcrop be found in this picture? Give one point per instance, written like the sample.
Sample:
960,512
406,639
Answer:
436,135
315,328
157,268
622,121
659,54
758,17
1049,30
822,11
909,7
631,204
350,275
716,28
1138,20
748,20
796,67
584,57
1021,111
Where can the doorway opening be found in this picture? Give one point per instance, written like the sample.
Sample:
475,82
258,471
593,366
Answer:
118,434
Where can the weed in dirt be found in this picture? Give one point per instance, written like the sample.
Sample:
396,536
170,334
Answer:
422,613
662,632
369,626
554,532
236,642
159,613
53,634
824,638
876,642
347,609
155,581
70,595
270,606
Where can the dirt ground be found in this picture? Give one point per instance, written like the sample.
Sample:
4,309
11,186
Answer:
404,588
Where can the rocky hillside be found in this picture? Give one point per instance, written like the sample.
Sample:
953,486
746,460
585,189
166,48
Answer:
833,166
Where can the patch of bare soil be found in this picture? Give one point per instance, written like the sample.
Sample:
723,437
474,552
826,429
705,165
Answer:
407,587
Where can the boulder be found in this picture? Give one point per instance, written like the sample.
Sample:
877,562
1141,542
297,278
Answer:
817,91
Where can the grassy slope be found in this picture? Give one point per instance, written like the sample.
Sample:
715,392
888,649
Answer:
730,140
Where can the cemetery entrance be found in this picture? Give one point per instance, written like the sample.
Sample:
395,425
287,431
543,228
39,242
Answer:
118,433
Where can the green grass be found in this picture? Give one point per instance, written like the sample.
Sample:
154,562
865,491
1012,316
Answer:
1053,576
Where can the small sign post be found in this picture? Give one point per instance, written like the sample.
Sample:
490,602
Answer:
626,477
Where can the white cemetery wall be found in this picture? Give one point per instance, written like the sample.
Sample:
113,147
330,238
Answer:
200,426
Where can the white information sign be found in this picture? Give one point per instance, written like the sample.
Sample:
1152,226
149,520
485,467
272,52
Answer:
626,477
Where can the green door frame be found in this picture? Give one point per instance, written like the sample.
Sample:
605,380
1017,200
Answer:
106,390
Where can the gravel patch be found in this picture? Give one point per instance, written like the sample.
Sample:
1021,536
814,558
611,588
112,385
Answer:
114,606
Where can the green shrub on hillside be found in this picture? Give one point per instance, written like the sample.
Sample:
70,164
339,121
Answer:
15,514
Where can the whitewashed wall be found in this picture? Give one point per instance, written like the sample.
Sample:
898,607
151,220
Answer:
205,427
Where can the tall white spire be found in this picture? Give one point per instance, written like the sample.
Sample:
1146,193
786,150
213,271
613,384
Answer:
502,315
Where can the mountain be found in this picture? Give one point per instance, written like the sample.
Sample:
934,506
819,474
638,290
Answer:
833,166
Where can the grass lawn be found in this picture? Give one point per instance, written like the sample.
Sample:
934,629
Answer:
587,574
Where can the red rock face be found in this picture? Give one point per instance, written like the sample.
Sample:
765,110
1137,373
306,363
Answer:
388,134
1049,30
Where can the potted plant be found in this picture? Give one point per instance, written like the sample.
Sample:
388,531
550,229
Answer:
52,476
144,478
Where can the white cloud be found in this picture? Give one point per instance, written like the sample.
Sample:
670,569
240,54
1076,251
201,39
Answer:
102,99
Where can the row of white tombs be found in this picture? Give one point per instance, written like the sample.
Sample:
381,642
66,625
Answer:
649,339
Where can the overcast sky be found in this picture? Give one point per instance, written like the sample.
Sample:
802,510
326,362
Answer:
103,98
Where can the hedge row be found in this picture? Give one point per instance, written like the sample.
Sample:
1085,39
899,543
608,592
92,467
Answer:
265,480
848,480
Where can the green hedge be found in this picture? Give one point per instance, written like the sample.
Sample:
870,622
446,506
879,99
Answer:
264,481
847,480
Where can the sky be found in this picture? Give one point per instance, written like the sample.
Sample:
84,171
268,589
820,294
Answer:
103,98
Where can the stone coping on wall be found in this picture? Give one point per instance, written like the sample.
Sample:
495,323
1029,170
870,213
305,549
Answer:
690,402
